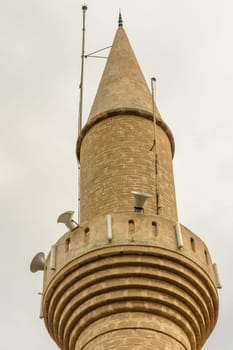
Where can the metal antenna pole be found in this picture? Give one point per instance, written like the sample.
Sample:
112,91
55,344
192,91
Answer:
153,81
84,8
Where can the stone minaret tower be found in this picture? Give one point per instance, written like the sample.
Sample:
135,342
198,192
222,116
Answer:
128,278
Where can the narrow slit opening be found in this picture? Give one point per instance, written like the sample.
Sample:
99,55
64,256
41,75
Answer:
206,257
192,244
154,228
67,245
131,226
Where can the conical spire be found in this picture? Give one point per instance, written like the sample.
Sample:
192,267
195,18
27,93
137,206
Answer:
123,85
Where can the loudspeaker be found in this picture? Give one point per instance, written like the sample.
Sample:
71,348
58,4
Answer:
66,218
38,262
139,200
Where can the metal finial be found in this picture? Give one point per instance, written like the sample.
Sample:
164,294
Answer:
120,21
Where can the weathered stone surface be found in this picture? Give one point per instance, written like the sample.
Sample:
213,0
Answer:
117,158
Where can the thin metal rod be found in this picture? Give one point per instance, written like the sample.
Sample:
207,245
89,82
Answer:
153,80
96,57
84,8
92,53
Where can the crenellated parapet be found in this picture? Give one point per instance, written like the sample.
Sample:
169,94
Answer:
128,228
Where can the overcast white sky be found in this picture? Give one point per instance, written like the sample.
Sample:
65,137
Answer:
187,45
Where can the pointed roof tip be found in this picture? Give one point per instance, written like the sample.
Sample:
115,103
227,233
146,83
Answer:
84,7
120,21
122,85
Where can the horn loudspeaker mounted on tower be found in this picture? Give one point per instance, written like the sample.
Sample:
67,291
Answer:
38,262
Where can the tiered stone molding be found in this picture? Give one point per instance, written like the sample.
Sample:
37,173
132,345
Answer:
137,291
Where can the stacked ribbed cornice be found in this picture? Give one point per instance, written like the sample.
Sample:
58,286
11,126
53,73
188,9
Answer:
97,280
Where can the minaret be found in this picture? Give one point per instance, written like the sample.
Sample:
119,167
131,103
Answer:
129,277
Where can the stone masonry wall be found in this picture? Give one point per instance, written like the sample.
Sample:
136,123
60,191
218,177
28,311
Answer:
116,158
